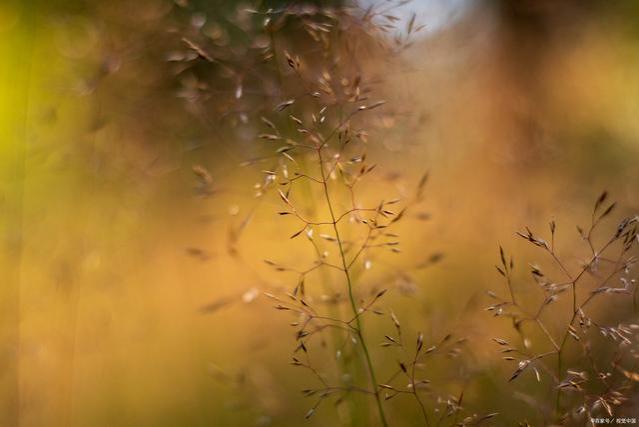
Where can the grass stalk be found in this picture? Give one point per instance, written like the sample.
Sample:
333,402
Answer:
349,282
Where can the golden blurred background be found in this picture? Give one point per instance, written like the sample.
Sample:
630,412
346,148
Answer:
130,299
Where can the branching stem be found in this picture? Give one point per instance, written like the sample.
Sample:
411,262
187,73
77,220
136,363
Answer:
359,332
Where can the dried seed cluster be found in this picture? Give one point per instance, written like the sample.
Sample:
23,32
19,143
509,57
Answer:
603,355
316,110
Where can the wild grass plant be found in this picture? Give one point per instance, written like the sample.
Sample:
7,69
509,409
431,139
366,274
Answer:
300,73
588,358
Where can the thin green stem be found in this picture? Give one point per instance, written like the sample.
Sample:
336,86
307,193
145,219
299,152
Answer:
414,389
369,363
575,310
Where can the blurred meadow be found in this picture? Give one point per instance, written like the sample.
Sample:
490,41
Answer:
149,167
